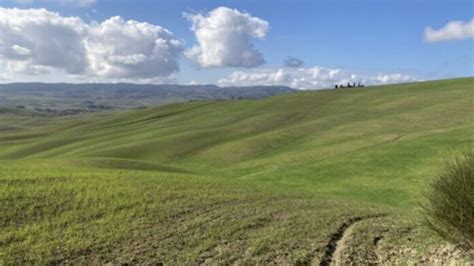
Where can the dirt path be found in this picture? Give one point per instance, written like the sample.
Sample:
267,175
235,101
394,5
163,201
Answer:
334,246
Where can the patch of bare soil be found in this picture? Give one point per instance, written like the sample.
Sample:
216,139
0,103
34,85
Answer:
376,241
336,242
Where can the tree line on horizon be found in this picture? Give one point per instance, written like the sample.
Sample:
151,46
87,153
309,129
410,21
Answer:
349,85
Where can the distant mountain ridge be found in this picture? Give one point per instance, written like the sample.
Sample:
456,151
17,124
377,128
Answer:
61,96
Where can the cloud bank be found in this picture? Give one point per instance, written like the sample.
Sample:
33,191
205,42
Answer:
454,30
224,38
40,42
311,78
37,41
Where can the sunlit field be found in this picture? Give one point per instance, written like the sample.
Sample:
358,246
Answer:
247,181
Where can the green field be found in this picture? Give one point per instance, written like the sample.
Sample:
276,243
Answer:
247,182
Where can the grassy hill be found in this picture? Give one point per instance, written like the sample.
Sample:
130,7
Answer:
75,98
252,181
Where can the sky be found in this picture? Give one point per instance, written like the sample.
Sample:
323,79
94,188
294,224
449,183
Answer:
298,43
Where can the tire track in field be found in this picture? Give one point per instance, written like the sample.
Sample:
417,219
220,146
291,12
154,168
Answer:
332,247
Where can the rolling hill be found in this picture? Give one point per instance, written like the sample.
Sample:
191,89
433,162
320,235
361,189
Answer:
267,181
104,96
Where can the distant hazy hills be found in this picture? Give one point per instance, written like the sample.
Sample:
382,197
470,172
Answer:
96,96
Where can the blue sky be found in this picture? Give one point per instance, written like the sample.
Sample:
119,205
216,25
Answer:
365,38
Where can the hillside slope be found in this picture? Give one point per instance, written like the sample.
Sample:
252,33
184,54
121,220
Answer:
300,163
104,96
294,138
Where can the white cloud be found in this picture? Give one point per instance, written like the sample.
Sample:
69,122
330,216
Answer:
42,38
224,38
393,78
293,62
310,78
454,30
37,41
118,48
20,51
22,67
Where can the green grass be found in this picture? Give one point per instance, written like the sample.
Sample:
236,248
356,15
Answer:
263,181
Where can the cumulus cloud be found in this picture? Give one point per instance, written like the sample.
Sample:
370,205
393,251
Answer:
293,62
118,48
224,38
454,30
310,78
37,41
41,38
